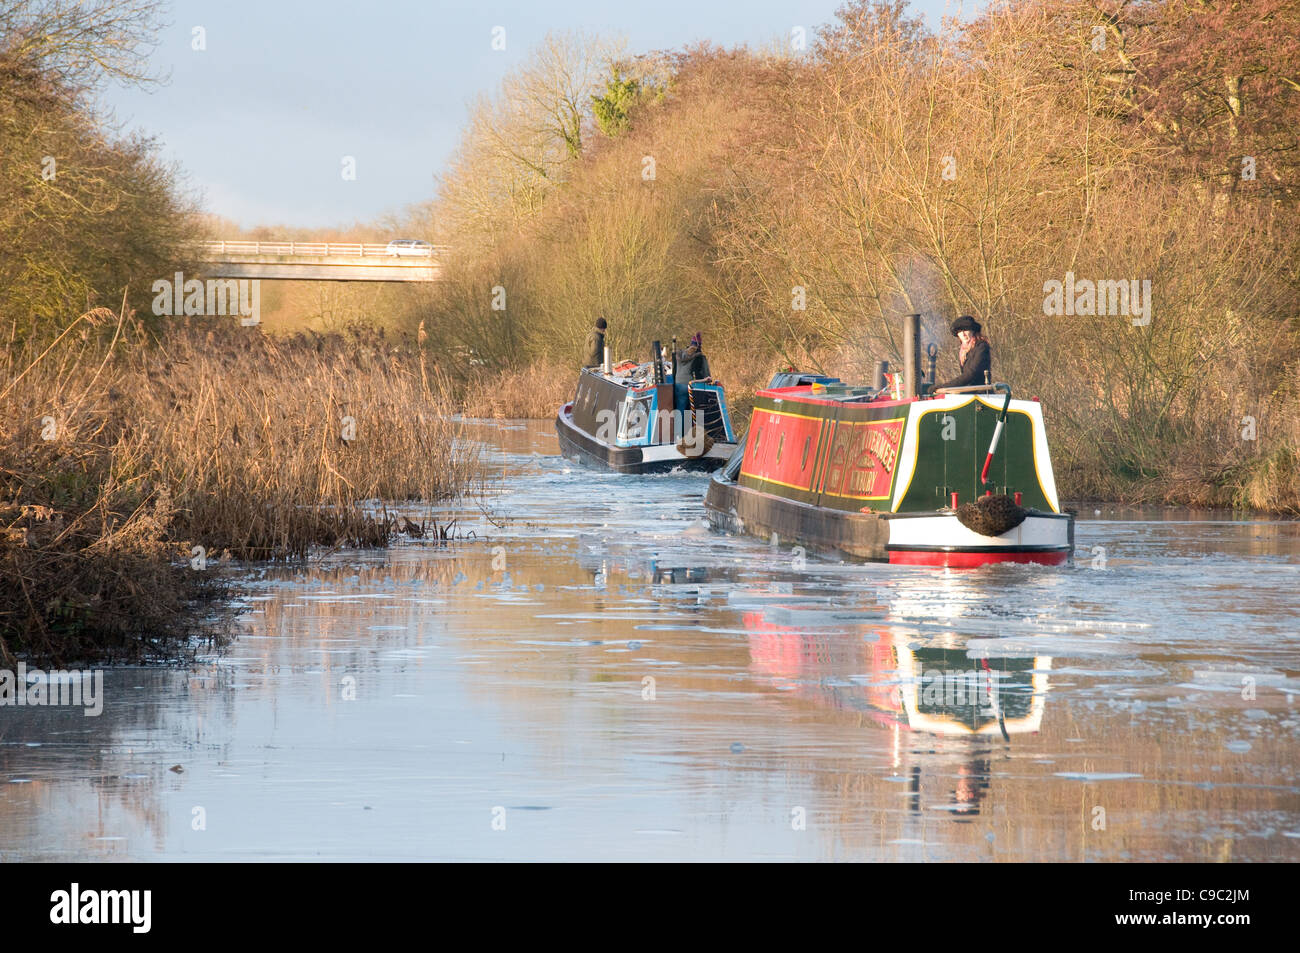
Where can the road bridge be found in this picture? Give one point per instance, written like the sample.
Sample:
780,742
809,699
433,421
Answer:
318,261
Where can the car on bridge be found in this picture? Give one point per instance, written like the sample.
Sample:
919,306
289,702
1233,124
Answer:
410,248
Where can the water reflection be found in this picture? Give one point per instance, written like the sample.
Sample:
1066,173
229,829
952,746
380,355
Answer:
627,686
906,687
942,691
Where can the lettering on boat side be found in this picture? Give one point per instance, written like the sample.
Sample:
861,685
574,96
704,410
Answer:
862,459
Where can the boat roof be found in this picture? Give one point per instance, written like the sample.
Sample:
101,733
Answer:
832,394
626,374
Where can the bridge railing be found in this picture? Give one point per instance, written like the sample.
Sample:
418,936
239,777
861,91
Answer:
311,249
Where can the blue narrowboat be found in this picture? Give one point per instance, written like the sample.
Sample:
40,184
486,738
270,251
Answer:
630,418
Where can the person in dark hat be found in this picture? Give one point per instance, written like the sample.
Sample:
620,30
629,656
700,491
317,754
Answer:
975,358
595,350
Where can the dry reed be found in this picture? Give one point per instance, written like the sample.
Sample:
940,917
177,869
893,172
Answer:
127,462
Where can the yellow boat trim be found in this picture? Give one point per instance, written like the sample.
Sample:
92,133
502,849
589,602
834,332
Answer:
793,486
824,459
786,413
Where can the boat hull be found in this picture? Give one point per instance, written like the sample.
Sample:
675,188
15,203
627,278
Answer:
576,444
935,539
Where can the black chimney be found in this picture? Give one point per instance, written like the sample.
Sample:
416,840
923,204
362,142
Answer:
912,355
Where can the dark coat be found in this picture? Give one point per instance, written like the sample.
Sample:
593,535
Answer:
692,365
594,353
978,360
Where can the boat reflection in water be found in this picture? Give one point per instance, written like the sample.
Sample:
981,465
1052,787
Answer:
968,707
656,572
951,715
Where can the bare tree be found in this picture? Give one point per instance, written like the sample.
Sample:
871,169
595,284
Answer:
518,144
81,44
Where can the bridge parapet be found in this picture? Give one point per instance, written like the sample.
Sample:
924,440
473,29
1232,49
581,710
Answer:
227,250
317,261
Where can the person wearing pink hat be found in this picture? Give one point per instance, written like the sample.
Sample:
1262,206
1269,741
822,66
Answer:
692,365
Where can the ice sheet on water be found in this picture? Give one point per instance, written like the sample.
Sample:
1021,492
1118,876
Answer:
810,618
1149,671
1053,645
1233,677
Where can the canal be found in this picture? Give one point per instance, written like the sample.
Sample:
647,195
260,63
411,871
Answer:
588,673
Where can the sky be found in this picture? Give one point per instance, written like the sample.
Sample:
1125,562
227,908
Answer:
261,118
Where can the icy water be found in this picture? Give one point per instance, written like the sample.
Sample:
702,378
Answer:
595,676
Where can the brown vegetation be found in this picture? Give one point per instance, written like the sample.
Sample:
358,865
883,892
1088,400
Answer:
84,211
125,460
537,391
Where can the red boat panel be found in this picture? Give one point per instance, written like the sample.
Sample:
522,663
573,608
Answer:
784,448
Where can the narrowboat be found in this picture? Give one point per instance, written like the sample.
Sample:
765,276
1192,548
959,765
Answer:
956,479
627,418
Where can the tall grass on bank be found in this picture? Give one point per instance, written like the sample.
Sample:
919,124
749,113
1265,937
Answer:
535,391
127,464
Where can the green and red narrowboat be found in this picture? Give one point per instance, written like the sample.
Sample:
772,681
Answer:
958,479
